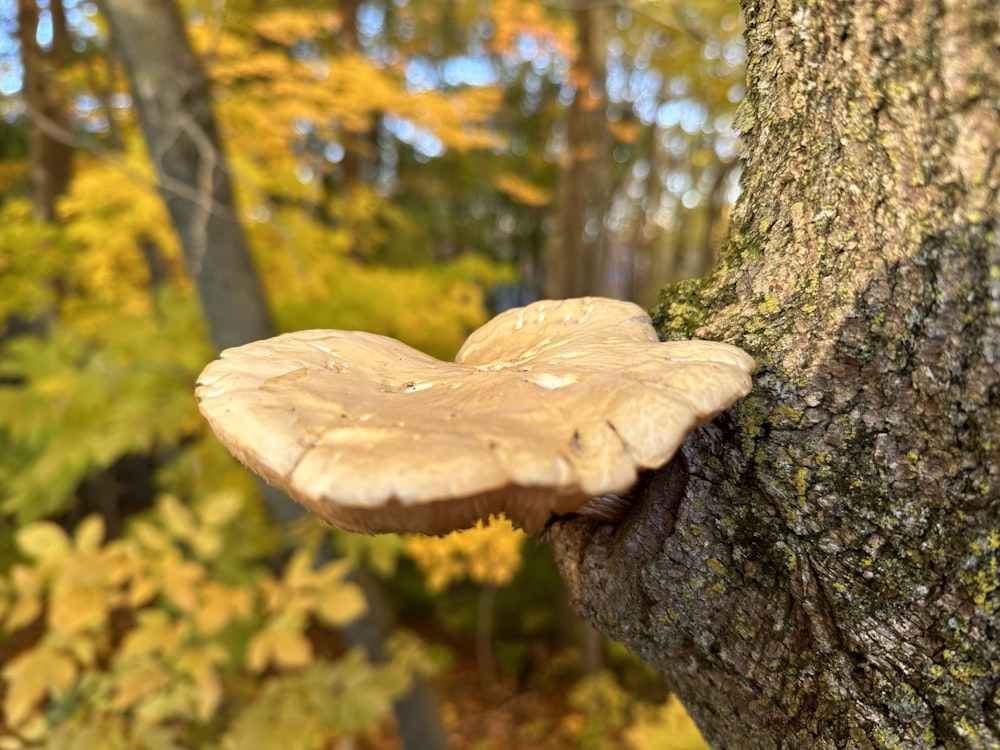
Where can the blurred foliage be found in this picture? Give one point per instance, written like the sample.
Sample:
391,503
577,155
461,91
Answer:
488,553
663,726
600,708
178,633
396,172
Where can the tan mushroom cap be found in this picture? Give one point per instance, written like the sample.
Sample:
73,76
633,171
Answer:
545,407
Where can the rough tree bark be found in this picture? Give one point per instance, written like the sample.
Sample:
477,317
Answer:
825,572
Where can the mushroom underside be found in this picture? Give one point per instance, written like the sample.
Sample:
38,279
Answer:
529,507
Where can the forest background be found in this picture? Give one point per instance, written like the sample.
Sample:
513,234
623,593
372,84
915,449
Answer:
408,168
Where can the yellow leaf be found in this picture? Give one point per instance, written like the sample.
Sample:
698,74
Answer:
221,508
138,680
259,652
206,542
155,633
290,26
34,729
89,534
151,537
488,553
341,604
179,582
219,605
273,594
30,676
282,648
200,664
28,598
141,589
299,572
79,597
176,516
665,726
101,731
43,540
124,560
209,691
85,648
495,555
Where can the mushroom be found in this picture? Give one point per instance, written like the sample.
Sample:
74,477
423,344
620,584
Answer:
545,407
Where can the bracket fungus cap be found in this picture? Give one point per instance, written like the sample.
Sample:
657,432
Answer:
544,408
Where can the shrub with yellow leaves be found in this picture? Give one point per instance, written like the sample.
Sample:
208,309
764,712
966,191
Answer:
600,707
487,554
139,642
664,727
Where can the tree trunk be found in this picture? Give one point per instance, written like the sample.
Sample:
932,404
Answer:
825,571
575,258
648,239
348,44
50,158
174,105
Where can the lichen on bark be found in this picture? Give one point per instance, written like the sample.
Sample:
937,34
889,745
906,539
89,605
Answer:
832,575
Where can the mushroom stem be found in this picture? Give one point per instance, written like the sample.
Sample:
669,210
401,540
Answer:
668,481
611,507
